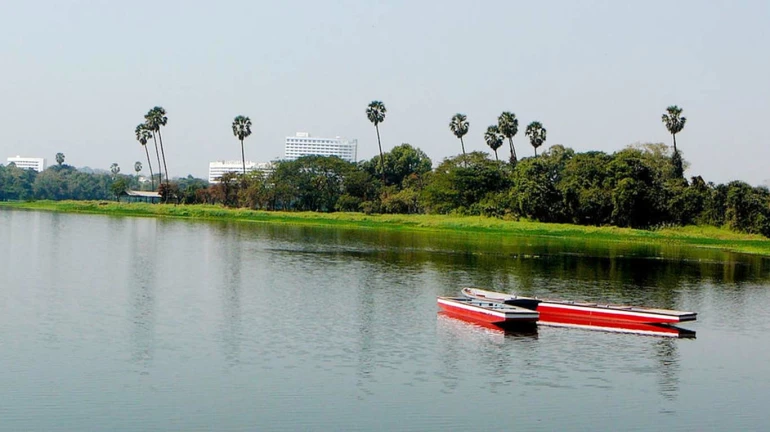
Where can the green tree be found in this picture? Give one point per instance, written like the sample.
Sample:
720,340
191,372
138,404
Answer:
375,112
455,186
155,119
60,158
401,162
143,135
137,167
114,169
536,133
494,139
241,130
509,127
459,127
674,121
118,187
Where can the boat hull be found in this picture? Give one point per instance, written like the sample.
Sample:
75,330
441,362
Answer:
494,313
615,326
555,309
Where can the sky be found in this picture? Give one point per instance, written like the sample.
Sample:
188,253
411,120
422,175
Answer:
77,77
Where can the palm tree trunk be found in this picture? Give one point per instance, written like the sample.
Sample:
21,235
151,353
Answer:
674,135
535,151
160,173
513,150
149,164
496,156
165,168
382,159
243,158
465,162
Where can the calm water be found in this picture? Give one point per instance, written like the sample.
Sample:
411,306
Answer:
148,324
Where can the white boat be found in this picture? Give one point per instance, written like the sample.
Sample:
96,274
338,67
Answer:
553,310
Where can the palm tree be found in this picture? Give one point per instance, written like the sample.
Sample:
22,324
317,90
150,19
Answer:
114,169
509,127
674,122
536,133
59,158
155,118
137,167
375,112
242,129
143,135
459,127
493,139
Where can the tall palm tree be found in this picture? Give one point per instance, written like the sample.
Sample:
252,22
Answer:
509,127
674,122
143,135
60,158
155,119
137,167
115,170
459,127
494,139
242,129
375,112
536,133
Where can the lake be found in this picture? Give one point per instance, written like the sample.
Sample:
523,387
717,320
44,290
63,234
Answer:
118,323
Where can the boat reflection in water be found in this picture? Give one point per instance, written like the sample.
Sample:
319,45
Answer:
530,329
663,330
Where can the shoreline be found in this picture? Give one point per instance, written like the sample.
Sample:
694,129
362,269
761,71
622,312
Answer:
692,236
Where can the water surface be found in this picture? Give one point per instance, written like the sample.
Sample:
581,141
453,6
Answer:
113,323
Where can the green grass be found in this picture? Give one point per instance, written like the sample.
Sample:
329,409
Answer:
697,236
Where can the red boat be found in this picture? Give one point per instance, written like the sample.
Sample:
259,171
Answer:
615,326
555,310
491,312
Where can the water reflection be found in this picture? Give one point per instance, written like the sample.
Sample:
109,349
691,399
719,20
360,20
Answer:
228,244
237,325
143,257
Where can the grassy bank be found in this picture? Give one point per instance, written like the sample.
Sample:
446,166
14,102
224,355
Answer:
697,236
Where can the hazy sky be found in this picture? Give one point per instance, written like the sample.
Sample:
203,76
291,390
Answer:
77,76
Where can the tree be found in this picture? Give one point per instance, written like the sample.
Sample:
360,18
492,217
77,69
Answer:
493,138
375,112
459,127
509,127
60,158
674,121
401,162
137,167
143,135
242,129
155,119
536,133
114,169
118,187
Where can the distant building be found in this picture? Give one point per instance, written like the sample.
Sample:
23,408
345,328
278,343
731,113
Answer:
302,144
37,164
219,168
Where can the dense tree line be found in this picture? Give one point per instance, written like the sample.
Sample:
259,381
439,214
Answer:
639,186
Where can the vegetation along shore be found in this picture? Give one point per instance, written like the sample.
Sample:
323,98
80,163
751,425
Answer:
689,236
641,187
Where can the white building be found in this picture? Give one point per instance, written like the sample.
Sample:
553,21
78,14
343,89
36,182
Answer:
219,168
303,144
37,164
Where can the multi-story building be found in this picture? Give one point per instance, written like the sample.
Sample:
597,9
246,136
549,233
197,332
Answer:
37,164
219,168
302,144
